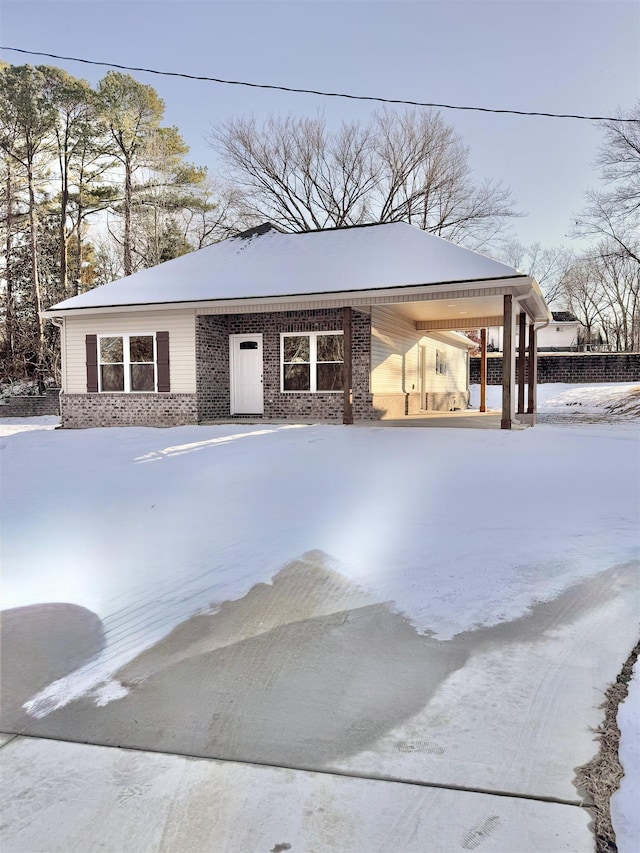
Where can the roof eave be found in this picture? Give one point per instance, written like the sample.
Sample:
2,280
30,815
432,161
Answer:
539,311
519,284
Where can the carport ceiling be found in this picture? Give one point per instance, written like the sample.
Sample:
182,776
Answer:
452,309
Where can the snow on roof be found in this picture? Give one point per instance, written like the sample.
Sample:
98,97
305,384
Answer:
274,264
564,317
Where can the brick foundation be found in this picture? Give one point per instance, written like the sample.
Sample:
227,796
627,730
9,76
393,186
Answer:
396,406
81,411
448,401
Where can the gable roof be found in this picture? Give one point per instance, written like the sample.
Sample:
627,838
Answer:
269,263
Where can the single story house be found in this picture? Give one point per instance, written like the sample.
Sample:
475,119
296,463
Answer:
340,324
561,335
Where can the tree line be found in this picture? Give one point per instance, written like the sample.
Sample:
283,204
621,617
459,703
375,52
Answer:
94,187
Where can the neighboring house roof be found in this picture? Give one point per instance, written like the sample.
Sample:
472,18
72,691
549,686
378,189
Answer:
270,263
564,317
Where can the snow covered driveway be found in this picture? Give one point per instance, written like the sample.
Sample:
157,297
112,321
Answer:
441,607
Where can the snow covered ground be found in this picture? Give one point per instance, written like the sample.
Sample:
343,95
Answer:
461,531
614,399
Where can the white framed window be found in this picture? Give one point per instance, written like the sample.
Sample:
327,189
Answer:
311,361
127,363
441,361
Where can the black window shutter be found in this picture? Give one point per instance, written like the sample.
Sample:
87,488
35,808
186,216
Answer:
91,343
162,352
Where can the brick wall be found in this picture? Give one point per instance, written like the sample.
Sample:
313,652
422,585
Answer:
363,406
212,354
212,367
572,368
32,406
80,411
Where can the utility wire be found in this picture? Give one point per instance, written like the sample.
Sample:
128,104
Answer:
313,91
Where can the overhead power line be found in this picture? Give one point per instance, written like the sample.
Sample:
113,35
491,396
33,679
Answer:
313,91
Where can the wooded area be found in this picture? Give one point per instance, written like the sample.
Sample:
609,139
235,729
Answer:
95,187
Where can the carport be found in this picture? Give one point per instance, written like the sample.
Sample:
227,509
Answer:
518,308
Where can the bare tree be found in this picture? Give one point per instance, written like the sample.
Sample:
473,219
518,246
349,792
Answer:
582,294
612,218
614,213
425,179
290,172
212,215
619,280
411,167
603,291
549,266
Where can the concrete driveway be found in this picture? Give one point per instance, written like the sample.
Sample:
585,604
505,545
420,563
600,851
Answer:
433,693
310,674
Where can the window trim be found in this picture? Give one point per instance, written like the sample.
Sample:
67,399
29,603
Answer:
441,362
126,362
313,360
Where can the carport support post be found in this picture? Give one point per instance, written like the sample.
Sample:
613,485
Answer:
532,406
483,370
522,349
508,364
347,387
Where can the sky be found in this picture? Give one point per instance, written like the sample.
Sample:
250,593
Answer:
571,56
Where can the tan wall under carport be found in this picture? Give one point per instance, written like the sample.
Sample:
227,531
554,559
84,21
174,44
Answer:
395,355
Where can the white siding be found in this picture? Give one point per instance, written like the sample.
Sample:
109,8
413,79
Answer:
394,352
182,343
395,348
558,335
455,378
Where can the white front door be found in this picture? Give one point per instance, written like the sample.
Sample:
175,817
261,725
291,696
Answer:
245,353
